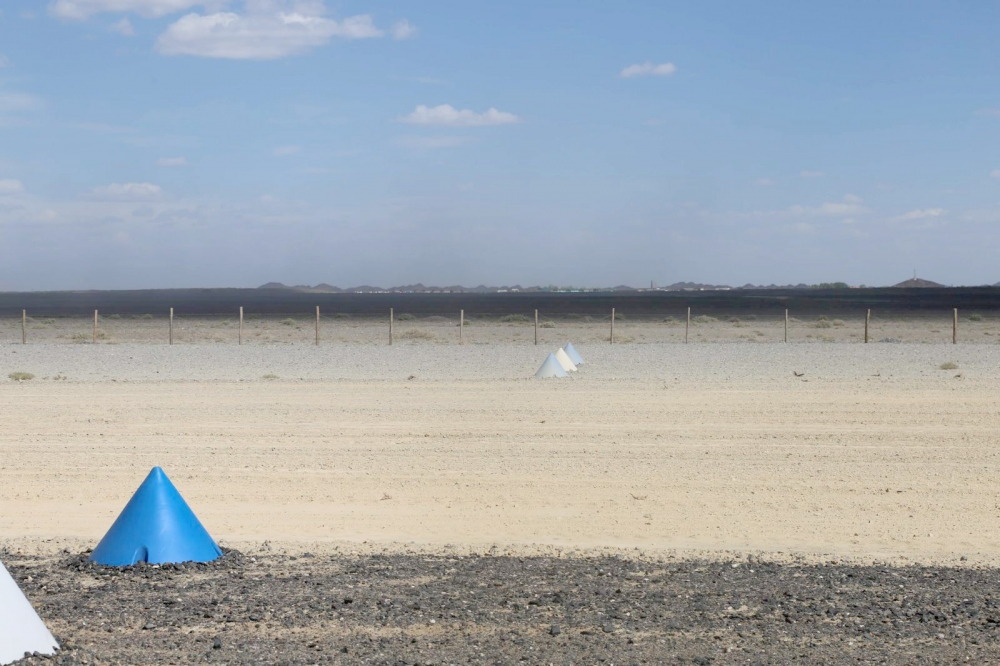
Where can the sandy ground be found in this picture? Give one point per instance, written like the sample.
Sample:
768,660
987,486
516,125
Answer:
873,453
489,329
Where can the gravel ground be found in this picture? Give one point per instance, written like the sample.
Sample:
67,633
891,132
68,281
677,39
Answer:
503,361
271,608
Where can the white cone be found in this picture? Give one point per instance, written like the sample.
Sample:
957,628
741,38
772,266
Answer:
551,368
21,630
573,354
565,361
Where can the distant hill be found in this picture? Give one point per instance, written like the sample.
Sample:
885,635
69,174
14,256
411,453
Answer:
917,283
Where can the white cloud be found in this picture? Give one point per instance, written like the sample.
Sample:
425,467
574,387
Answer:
920,214
12,101
127,191
648,69
849,206
264,33
402,30
10,186
995,173
448,115
811,174
172,162
80,10
430,142
282,151
123,27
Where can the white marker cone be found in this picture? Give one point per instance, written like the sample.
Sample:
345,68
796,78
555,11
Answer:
550,368
565,361
21,630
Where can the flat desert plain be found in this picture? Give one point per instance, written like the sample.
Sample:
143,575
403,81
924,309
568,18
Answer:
431,503
861,451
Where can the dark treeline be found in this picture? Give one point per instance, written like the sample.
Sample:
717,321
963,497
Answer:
187,302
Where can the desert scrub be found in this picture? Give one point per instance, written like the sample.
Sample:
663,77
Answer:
288,322
341,315
822,323
949,366
547,324
142,316
116,317
837,322
270,375
671,320
405,317
704,319
514,319
975,316
414,334
20,376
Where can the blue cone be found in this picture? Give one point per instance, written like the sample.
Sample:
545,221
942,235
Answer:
156,526
573,354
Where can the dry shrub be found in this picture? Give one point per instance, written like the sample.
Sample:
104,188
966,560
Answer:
949,366
514,319
704,319
822,323
288,322
415,334
21,376
405,317
547,324
975,316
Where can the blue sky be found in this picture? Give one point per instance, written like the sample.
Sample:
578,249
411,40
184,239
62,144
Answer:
169,143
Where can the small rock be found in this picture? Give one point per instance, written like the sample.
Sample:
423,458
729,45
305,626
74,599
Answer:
217,644
608,629
555,630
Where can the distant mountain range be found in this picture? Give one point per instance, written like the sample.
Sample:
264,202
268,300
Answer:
483,289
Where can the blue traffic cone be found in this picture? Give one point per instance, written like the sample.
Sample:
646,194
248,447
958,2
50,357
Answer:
156,526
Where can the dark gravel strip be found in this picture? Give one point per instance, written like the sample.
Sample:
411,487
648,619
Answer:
275,609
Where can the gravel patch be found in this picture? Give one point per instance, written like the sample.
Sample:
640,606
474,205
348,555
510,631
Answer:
399,609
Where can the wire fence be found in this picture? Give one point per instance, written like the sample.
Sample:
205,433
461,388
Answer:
467,327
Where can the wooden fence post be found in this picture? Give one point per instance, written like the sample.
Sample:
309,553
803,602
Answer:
461,327
536,328
612,326
786,324
317,325
171,326
954,327
868,318
24,327
241,324
95,327
687,326
390,326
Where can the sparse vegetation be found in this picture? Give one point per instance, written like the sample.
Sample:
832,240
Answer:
113,316
949,366
734,320
547,324
341,315
288,322
270,375
975,316
822,318
405,317
142,316
415,334
822,323
515,319
704,319
671,320
21,376
837,322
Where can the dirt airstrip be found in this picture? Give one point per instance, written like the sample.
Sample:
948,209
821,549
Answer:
446,467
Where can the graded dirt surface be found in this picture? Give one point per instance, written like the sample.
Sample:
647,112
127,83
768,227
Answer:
366,456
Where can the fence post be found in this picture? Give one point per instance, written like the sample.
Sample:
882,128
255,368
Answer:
317,325
24,327
171,326
868,318
612,326
241,324
390,326
687,326
461,327
786,324
954,327
536,327
95,327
